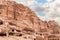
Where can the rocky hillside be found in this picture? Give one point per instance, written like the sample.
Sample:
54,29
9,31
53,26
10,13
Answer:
18,22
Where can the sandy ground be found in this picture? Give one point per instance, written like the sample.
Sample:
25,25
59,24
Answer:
13,38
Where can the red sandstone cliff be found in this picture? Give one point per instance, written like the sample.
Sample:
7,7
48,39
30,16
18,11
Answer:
18,20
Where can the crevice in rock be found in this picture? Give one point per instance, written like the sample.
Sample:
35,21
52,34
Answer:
2,34
28,29
20,35
11,33
11,23
18,30
34,39
1,22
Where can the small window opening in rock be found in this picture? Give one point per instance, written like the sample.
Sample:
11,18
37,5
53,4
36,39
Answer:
41,34
20,35
36,33
11,33
11,23
1,22
16,19
12,30
34,39
2,34
18,30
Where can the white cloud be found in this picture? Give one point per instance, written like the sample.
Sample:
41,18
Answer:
49,0
26,2
33,4
57,19
51,8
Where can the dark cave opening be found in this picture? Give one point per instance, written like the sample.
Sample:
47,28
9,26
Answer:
2,34
1,22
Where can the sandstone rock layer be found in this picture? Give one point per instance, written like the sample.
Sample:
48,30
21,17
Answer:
20,22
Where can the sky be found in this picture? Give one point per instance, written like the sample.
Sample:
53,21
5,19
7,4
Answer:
44,9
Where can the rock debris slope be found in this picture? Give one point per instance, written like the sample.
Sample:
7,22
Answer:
18,22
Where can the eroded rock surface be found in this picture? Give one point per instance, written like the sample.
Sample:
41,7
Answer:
20,22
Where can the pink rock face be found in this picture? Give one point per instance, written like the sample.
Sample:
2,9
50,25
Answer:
18,20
